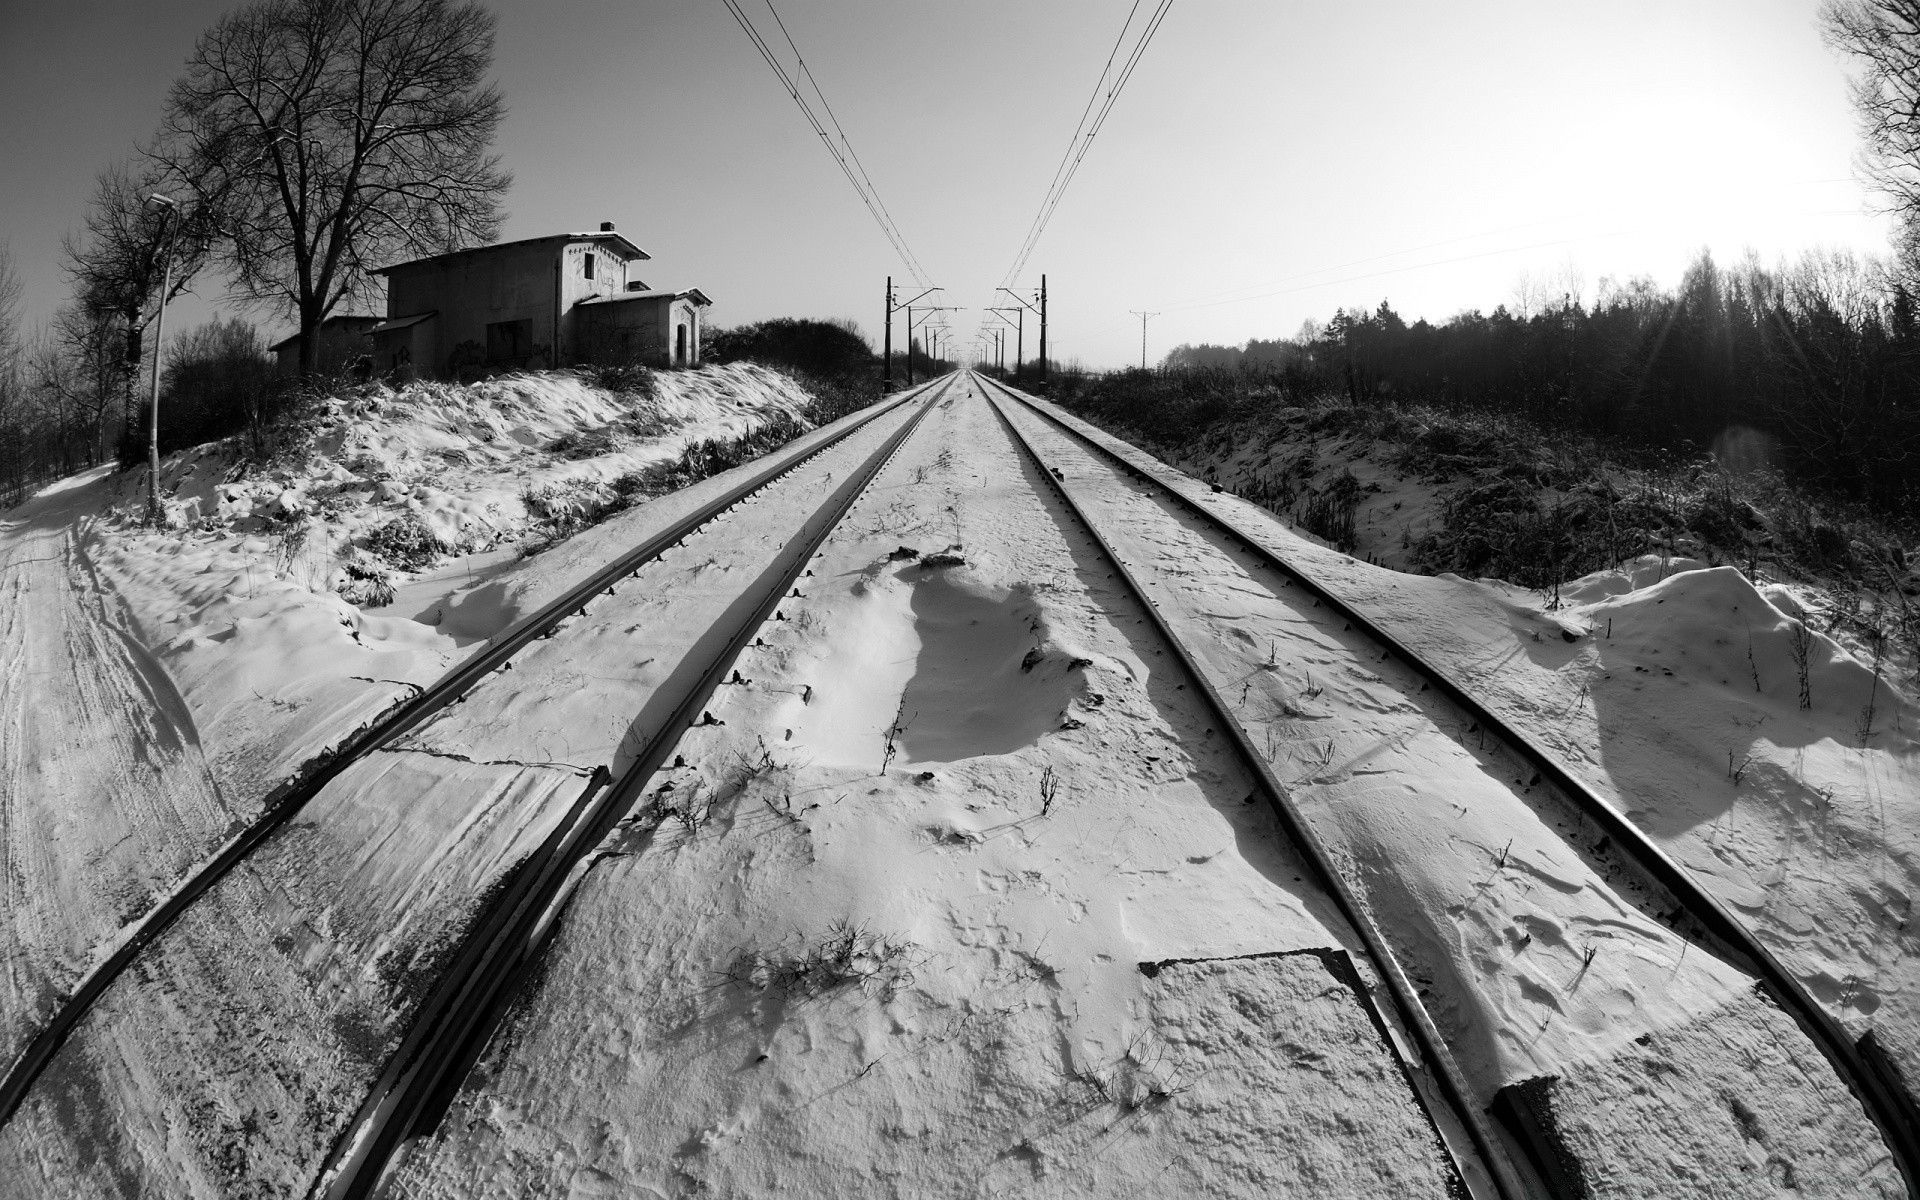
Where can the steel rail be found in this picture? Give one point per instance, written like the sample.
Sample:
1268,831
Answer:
1437,1064
474,992
448,689
1874,1084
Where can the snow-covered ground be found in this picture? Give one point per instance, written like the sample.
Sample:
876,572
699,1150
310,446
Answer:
850,972
161,686
1676,689
1034,941
1542,952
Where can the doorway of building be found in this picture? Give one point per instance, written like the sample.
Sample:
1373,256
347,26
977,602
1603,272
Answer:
679,345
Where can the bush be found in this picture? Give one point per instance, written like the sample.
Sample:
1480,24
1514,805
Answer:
830,350
407,543
218,381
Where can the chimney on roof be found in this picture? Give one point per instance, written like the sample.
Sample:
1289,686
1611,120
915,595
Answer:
606,227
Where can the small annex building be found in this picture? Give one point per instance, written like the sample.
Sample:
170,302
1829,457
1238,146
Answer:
343,342
542,302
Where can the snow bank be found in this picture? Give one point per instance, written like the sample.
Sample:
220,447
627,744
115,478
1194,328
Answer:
422,491
160,685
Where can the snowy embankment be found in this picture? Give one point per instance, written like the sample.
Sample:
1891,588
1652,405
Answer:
160,686
1743,727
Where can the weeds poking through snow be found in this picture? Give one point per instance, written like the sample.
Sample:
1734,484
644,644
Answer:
1313,689
691,809
894,729
845,954
1879,643
1800,645
1049,788
746,768
1753,666
1737,771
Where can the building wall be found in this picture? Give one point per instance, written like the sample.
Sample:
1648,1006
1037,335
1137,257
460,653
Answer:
646,330
404,354
471,292
610,276
685,314
536,285
341,342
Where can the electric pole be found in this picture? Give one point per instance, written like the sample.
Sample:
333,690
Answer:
1143,334
1019,330
891,309
1043,329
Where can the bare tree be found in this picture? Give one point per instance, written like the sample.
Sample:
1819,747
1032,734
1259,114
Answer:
10,293
1883,38
118,265
15,461
74,371
333,137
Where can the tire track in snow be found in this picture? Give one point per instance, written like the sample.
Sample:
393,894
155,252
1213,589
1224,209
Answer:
105,799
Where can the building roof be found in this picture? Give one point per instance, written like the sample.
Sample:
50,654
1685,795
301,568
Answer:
402,322
342,319
622,297
618,240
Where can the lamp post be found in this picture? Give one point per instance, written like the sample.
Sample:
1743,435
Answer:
159,343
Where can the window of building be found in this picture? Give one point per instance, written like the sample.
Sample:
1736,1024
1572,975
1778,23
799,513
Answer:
510,342
587,264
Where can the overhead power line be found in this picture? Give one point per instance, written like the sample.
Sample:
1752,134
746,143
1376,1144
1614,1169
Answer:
843,153
1105,92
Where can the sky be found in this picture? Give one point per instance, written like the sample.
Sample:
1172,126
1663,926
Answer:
1269,162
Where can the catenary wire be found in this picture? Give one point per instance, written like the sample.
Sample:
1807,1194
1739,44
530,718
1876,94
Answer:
856,174
1087,130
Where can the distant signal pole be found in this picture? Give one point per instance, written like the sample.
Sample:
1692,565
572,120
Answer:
1143,334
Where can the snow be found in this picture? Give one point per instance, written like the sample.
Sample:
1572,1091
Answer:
1013,1040
160,687
964,894
105,793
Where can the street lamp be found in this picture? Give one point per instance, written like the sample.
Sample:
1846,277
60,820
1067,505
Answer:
159,341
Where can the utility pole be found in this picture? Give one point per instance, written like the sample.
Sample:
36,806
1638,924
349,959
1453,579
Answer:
159,344
1019,331
1043,329
926,312
1143,333
891,309
886,372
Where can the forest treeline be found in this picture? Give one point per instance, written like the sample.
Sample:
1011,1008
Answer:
1814,368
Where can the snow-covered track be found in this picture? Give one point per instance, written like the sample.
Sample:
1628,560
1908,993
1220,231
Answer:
1862,1066
1434,1076
453,1026
451,688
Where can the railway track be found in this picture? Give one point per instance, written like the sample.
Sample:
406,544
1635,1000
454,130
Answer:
450,689
454,1026
1432,1073
1860,1066
1496,1155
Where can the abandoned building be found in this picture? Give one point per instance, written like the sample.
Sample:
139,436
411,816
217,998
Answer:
543,302
343,340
